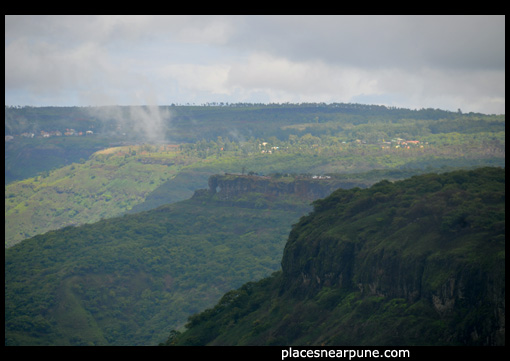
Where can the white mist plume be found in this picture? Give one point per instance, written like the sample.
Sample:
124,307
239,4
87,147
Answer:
149,123
150,120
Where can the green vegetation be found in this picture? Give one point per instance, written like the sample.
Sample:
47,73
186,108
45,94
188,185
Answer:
133,178
133,278
316,135
414,262
106,185
130,280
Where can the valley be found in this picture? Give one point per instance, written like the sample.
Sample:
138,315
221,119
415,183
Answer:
115,238
129,280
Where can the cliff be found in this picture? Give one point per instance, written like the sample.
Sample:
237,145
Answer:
229,186
414,262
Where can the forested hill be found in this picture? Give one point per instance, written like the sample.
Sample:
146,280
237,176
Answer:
70,166
413,262
211,120
129,280
39,139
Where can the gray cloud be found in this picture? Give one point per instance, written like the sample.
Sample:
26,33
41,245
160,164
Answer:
380,41
410,61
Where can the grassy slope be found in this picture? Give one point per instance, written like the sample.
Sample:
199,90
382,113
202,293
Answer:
104,186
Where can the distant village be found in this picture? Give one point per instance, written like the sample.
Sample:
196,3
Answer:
402,143
56,133
264,147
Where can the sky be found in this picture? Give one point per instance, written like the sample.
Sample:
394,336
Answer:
445,62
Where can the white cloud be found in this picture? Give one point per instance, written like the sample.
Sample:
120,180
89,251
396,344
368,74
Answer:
296,81
198,78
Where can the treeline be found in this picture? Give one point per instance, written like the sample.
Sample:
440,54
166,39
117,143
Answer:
243,120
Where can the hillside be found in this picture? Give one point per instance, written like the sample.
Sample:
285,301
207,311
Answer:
110,182
59,174
413,262
130,280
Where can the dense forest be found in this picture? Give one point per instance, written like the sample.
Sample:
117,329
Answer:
130,280
211,121
414,262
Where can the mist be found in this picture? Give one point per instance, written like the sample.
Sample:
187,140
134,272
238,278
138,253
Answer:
146,123
151,121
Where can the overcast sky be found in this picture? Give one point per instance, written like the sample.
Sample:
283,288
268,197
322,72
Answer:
446,62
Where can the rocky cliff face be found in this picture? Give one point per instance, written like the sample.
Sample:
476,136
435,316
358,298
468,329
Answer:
229,186
401,242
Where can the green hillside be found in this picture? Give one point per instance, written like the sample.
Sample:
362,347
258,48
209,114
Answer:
413,262
135,178
109,183
130,280
68,179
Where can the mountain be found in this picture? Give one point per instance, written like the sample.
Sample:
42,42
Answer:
414,262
